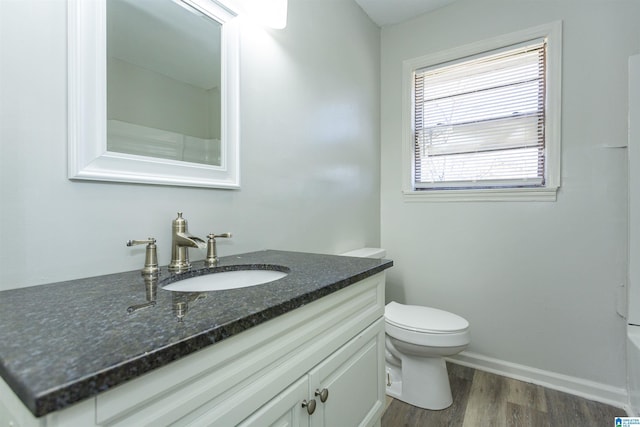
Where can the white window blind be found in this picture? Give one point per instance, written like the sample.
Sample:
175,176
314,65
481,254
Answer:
479,122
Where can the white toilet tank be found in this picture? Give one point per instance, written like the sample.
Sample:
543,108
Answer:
377,253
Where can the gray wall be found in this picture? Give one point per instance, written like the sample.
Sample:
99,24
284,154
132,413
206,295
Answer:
536,280
309,158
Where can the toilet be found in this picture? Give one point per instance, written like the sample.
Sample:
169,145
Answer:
417,340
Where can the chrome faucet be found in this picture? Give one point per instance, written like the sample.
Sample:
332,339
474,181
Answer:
181,241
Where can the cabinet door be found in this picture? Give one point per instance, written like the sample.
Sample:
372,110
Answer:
353,376
284,410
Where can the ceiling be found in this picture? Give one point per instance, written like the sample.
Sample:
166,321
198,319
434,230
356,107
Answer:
389,12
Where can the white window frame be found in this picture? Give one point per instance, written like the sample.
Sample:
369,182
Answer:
553,34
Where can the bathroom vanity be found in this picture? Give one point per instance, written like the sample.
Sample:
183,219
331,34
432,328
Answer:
307,349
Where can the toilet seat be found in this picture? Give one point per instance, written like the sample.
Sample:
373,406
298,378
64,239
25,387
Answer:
424,319
425,326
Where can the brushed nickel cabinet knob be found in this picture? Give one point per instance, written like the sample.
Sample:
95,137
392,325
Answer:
324,394
310,406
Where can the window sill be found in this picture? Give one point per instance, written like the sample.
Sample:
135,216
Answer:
547,194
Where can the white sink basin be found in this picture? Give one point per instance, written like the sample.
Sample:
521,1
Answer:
225,280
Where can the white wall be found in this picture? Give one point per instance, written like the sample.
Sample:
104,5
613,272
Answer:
536,280
149,98
309,157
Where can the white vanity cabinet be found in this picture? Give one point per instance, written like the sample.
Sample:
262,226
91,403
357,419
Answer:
333,346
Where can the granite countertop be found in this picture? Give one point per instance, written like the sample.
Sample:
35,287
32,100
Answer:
65,342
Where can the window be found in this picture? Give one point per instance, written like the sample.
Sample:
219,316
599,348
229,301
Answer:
484,119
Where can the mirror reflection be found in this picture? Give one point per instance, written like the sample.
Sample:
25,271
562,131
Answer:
163,81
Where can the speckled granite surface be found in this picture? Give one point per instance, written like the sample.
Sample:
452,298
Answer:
65,342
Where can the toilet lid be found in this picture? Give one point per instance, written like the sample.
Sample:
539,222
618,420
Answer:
423,319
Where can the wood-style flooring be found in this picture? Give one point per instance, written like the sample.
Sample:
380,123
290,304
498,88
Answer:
481,399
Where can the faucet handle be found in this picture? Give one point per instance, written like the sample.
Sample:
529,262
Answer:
150,240
151,255
215,236
212,255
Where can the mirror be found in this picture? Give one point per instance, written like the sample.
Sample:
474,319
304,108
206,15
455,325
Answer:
163,81
153,92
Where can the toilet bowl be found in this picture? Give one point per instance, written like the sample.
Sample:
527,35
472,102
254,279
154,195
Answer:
417,340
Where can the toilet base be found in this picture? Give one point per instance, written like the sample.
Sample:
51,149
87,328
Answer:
423,382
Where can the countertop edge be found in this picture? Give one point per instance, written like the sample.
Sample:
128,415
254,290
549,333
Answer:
62,397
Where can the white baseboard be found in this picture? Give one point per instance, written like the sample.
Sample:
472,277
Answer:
615,396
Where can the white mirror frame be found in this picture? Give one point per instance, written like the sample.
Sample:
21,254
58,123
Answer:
88,157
